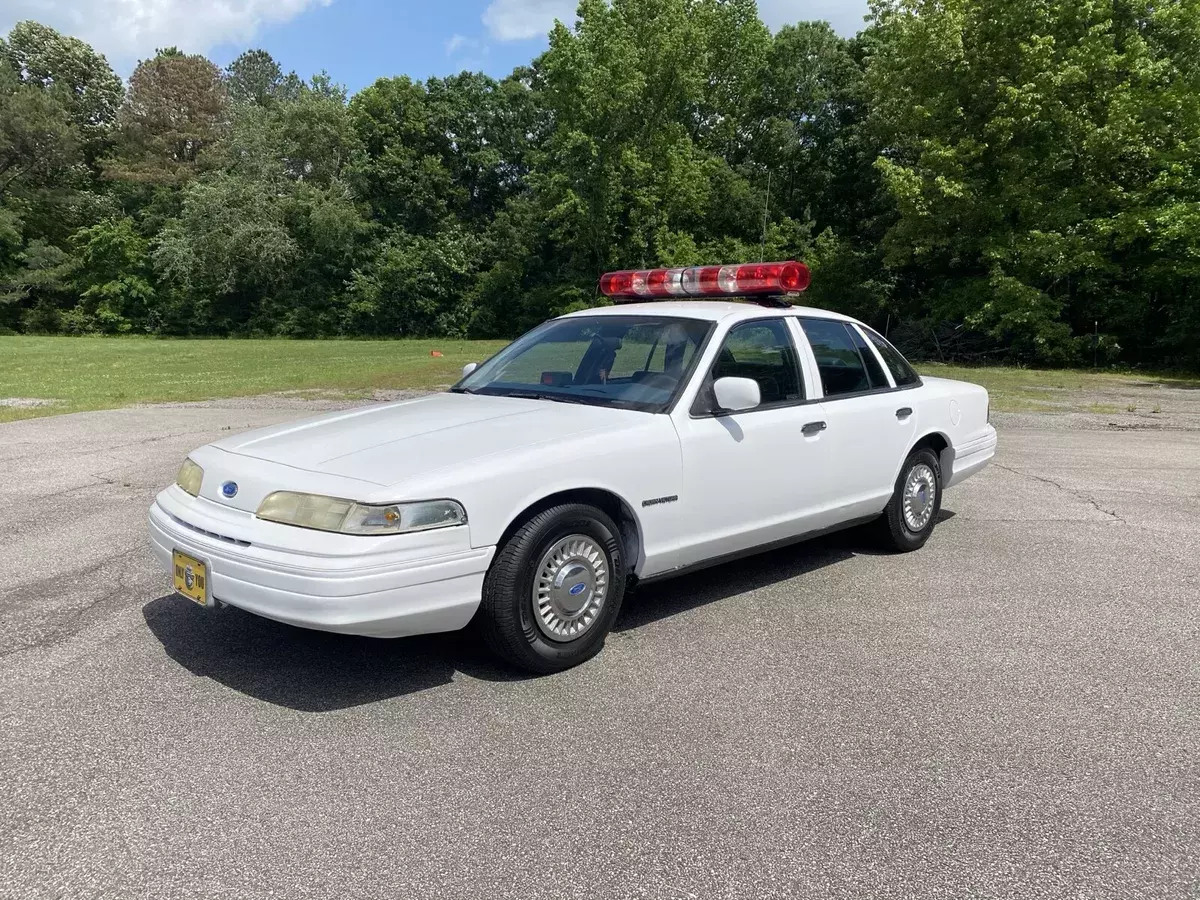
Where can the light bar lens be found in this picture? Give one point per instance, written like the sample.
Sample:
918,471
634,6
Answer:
665,282
190,476
348,517
616,284
707,281
786,276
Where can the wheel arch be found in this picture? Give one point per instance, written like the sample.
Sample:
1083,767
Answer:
940,444
615,506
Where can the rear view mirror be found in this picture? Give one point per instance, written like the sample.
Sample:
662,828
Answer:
736,394
469,368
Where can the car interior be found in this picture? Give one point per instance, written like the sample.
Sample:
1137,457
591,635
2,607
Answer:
597,365
765,354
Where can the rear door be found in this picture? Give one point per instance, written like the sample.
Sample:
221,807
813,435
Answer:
752,477
870,423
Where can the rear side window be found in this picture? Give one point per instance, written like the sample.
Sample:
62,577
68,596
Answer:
901,371
841,365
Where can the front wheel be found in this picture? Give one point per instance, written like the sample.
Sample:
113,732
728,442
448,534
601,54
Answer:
554,589
908,520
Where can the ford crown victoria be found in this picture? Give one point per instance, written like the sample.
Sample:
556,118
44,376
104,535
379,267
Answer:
611,446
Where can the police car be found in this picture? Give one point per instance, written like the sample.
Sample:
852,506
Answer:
700,417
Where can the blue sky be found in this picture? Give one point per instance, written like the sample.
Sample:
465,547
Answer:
356,41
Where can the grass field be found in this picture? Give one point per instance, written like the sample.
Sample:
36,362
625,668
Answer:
1062,390
101,373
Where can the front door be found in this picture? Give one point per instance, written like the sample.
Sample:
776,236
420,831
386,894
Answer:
752,477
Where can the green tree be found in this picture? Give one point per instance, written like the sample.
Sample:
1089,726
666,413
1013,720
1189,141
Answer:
1030,148
37,290
228,249
648,154
113,276
309,137
175,112
79,77
39,144
479,129
255,77
414,286
402,178
452,147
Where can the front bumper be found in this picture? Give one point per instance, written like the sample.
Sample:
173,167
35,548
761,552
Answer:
380,587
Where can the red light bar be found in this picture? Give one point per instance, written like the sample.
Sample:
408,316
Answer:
753,279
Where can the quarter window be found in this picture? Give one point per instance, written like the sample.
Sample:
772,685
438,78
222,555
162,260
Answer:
901,371
763,351
870,360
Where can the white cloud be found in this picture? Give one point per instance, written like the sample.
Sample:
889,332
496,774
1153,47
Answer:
518,20
460,42
468,54
127,30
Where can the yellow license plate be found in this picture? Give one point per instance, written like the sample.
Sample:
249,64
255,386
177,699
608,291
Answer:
191,577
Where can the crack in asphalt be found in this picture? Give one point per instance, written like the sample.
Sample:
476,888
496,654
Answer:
109,450
69,621
1080,495
102,480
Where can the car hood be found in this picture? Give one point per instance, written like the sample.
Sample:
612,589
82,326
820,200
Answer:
391,443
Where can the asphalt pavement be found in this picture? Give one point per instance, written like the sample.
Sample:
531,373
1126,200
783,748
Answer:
1013,711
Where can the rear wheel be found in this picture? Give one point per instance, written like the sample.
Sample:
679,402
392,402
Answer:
554,589
912,513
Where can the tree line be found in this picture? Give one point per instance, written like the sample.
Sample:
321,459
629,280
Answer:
985,179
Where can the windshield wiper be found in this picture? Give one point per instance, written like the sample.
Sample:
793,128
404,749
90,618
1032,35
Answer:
545,395
460,390
568,398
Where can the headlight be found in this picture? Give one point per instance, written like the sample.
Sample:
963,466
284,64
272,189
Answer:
348,517
189,477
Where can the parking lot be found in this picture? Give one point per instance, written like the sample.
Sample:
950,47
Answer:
1013,711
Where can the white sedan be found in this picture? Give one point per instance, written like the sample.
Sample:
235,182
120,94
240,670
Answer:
606,447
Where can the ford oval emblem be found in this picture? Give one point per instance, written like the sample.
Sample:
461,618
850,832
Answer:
229,489
577,588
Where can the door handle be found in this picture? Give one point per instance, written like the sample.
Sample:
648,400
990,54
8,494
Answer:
904,412
812,428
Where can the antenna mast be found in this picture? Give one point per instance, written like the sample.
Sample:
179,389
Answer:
766,206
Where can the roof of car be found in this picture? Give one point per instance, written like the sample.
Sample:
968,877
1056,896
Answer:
709,310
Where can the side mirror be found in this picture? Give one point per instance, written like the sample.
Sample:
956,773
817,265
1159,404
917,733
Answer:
736,394
469,368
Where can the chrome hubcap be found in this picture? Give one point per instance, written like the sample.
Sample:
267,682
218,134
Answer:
569,591
920,491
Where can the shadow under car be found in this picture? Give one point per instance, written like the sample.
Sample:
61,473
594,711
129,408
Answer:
316,671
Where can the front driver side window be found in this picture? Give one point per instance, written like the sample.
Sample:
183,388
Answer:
761,350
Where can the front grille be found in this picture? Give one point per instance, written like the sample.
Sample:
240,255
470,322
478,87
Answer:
212,534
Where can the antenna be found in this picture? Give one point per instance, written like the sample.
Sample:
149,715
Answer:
766,206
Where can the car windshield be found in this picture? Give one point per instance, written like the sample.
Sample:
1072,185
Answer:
631,362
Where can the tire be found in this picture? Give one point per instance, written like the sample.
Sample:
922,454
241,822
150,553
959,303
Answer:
896,528
564,557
